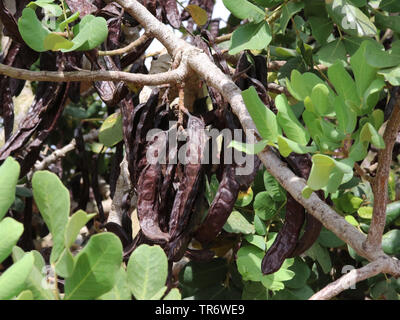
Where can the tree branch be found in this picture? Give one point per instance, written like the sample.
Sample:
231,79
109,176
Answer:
380,185
130,47
60,153
350,279
172,76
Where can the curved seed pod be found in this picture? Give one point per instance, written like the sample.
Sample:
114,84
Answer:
147,209
301,165
220,208
286,240
191,181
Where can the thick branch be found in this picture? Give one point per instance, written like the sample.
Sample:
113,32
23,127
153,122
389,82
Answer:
172,76
350,279
380,185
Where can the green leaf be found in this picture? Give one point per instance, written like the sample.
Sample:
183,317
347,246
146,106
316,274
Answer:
332,52
300,85
378,58
263,117
264,206
9,173
248,148
390,6
321,28
329,240
346,117
63,25
32,30
89,33
110,132
387,22
199,15
48,6
121,290
320,171
75,223
365,212
350,219
55,42
201,275
368,133
12,281
25,295
147,271
256,240
254,291
259,226
303,293
96,268
36,281
249,262
371,95
237,223
350,18
52,199
287,146
289,123
288,11
364,74
65,264
273,188
320,254
244,198
344,85
10,231
251,36
302,273
391,75
174,294
391,242
243,9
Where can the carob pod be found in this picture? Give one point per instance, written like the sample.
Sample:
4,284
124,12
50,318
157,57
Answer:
147,208
221,207
301,165
191,181
286,240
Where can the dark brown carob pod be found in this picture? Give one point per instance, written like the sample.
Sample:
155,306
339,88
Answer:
220,208
286,240
147,208
301,165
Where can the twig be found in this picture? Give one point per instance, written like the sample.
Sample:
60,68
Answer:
87,75
60,153
130,47
350,279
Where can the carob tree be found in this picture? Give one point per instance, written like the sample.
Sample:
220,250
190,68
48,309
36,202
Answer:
168,203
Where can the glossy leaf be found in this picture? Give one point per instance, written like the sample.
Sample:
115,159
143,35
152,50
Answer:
243,9
237,223
264,118
32,30
147,271
96,268
10,231
12,281
110,132
52,199
251,36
